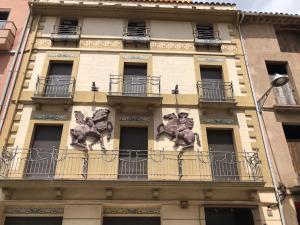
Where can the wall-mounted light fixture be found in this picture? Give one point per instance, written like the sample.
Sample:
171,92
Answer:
94,88
176,90
277,81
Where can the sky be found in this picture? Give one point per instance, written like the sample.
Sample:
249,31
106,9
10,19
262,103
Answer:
285,6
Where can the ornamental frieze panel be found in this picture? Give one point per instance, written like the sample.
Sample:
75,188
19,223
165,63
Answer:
175,46
42,43
114,44
229,48
132,211
40,211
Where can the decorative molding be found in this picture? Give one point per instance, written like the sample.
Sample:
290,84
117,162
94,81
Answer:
49,117
163,45
62,55
218,121
42,43
229,48
124,117
34,210
135,57
136,211
100,44
209,59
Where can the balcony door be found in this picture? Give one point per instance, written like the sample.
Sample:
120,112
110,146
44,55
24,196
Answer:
131,220
42,156
3,19
222,155
135,79
58,79
68,26
212,84
33,221
133,155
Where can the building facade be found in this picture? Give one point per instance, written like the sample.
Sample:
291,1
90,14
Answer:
14,16
129,112
277,38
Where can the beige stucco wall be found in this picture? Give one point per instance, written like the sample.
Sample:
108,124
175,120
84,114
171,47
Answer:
37,70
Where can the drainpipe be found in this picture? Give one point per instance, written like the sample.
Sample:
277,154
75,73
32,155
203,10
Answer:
262,125
13,71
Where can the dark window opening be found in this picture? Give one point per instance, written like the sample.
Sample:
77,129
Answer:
131,221
68,26
228,216
41,160
133,155
135,79
33,221
223,157
211,73
58,81
276,67
288,37
205,32
292,135
135,28
4,15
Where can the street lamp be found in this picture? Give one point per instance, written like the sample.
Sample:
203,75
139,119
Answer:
277,81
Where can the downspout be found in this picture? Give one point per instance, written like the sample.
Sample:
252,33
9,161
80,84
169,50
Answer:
261,124
13,71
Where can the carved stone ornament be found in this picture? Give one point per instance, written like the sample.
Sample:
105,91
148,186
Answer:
91,127
179,128
34,210
123,211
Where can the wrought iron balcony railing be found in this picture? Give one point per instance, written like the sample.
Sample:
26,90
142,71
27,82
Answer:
215,91
151,165
136,34
58,86
133,85
206,36
66,33
8,32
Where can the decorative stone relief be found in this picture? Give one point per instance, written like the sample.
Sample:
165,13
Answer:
135,57
163,45
34,210
100,44
113,211
62,55
229,48
218,121
42,43
209,59
91,127
179,128
49,117
124,117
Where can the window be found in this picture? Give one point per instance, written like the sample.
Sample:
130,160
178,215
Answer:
41,160
133,155
58,79
288,37
225,216
33,220
285,95
292,135
3,18
68,26
204,32
136,28
135,79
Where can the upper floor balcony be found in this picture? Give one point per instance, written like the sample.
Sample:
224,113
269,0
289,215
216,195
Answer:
136,33
216,94
135,90
70,33
138,165
7,34
206,36
56,89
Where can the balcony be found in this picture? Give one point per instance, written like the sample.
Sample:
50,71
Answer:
216,94
66,33
58,89
206,36
7,35
138,165
134,90
136,35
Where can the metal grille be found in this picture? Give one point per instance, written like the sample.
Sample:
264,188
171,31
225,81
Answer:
215,91
133,85
56,86
136,31
130,165
205,32
67,30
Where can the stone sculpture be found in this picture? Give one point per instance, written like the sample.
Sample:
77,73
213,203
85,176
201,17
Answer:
179,128
91,127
